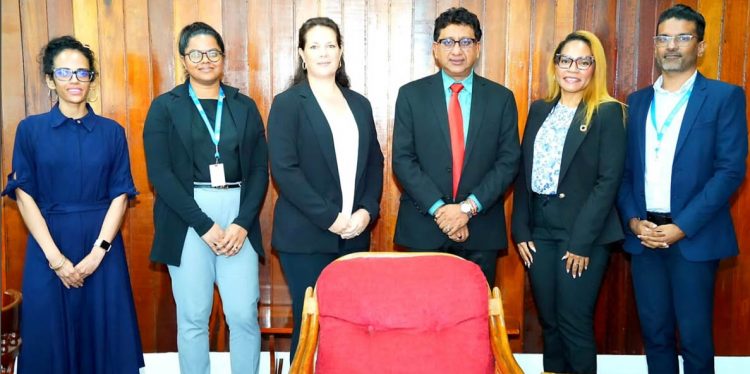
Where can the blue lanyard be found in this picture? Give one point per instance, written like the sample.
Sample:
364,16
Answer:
669,119
216,130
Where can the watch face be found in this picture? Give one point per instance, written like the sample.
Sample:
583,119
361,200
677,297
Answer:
465,208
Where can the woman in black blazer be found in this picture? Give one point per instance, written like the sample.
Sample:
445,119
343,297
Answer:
207,160
326,162
564,218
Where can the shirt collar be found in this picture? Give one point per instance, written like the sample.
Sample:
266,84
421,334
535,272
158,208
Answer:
684,88
468,82
58,118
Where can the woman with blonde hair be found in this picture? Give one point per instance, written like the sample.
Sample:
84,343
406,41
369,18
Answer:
564,218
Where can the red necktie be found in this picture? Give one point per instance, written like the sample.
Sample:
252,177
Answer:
456,125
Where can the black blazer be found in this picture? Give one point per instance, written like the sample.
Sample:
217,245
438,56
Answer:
590,173
304,169
422,161
167,140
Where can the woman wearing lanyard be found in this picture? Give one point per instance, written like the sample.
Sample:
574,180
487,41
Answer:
326,162
206,158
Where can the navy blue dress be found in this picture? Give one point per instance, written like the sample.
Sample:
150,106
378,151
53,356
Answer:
73,169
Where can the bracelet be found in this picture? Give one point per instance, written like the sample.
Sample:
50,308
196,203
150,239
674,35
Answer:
58,266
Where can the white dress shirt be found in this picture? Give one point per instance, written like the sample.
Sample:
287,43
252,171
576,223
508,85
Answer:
658,178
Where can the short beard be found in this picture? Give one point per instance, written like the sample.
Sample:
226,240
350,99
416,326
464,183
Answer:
675,66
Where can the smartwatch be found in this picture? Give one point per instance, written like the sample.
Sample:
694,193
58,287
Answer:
103,244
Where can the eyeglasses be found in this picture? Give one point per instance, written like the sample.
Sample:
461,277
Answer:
464,43
196,56
682,39
65,74
565,61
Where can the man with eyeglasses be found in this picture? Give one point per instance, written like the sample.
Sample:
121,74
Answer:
455,151
687,144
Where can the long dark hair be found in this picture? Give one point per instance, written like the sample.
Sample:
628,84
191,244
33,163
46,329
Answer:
300,74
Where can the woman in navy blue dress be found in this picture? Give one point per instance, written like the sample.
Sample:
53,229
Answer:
71,179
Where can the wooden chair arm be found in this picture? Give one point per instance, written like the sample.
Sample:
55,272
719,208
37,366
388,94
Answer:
504,360
304,358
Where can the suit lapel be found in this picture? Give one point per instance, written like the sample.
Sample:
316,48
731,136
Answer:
535,122
437,97
640,116
321,128
476,119
184,117
691,111
573,140
364,132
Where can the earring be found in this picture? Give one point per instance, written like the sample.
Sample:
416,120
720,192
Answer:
92,99
52,96
304,66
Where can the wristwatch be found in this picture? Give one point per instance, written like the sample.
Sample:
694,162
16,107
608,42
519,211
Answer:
103,244
466,208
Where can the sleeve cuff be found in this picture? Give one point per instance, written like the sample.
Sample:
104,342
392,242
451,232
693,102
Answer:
436,206
476,201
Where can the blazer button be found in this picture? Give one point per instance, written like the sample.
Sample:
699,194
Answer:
562,195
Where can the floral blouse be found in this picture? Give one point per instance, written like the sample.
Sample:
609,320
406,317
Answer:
548,148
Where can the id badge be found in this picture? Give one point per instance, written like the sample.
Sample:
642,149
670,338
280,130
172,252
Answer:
217,175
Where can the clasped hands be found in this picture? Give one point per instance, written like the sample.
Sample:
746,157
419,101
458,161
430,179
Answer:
654,236
348,227
453,222
73,275
225,242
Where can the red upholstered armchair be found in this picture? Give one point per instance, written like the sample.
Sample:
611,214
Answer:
388,312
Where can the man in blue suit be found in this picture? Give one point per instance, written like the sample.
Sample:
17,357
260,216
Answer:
687,144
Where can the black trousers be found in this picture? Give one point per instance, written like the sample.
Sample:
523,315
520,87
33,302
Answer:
301,271
565,305
487,260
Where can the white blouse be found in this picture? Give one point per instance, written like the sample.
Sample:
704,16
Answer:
346,145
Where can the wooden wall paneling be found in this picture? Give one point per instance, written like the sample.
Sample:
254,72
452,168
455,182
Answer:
60,18
12,100
139,217
86,27
377,54
398,72
333,9
184,12
423,25
731,304
443,5
542,47
284,61
646,22
564,19
604,26
260,65
163,51
511,270
495,40
352,27
625,63
34,36
713,12
214,12
304,10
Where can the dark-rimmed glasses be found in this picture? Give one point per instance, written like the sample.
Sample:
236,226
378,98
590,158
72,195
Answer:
196,56
464,43
682,39
565,61
65,74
